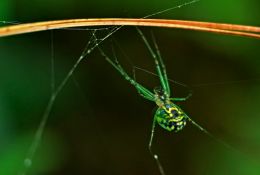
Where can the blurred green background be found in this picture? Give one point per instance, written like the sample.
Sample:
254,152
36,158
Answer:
99,124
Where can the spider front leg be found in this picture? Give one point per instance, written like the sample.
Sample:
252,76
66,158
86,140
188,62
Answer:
160,67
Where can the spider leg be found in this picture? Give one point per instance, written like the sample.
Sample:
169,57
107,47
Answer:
183,98
210,135
160,67
155,156
198,126
144,92
134,77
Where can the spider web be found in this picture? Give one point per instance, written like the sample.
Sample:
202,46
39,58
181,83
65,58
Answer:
90,46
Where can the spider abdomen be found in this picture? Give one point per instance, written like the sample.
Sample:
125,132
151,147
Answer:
170,117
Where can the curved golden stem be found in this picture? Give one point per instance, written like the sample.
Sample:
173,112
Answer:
230,29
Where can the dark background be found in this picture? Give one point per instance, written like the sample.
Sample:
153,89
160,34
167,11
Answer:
99,124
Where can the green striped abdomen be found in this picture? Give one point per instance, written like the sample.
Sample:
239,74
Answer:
171,117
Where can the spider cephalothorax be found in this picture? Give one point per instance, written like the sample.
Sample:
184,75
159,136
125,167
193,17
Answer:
161,97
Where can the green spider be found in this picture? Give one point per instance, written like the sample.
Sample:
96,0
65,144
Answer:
168,115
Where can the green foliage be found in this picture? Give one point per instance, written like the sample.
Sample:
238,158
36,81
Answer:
99,124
